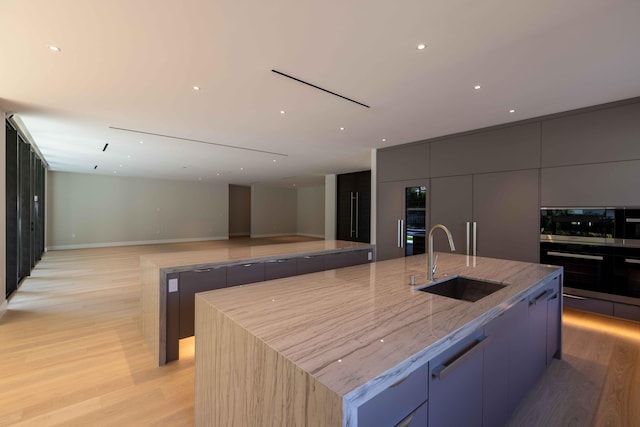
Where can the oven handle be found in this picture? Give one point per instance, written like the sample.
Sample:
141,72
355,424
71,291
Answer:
632,261
578,256
635,220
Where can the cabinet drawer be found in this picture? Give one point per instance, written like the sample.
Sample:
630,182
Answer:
189,284
311,264
397,402
418,418
588,304
626,311
242,274
279,268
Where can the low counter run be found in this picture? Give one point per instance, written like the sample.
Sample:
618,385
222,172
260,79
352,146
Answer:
314,349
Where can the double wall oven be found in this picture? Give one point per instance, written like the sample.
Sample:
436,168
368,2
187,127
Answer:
599,249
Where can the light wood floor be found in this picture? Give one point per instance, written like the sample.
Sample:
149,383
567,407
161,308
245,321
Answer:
71,353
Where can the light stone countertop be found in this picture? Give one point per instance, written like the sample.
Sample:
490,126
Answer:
184,261
359,329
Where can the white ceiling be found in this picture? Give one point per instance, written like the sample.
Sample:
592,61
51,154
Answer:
132,64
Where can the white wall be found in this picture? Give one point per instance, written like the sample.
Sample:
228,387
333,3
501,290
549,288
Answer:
311,211
239,210
273,211
3,220
95,210
330,206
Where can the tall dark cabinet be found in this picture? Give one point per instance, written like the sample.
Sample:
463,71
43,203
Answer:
354,207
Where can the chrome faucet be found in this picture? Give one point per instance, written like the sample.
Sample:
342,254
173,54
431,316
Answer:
434,265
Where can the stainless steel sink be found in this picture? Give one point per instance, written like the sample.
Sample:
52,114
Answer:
462,288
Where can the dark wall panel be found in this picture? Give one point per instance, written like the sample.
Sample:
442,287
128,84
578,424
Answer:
12,209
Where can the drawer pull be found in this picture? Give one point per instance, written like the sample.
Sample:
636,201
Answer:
400,381
407,421
203,270
554,296
633,220
449,366
576,256
632,261
247,265
535,300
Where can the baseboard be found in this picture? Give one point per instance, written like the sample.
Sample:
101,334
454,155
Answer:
317,236
3,308
258,236
133,243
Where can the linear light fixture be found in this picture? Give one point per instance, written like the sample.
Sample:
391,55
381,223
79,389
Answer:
319,88
105,147
198,141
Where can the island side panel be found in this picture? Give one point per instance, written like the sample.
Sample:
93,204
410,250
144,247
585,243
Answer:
239,380
150,278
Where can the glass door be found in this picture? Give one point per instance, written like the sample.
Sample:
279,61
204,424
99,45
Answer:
416,217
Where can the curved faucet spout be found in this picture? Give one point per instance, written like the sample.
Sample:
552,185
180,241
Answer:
433,265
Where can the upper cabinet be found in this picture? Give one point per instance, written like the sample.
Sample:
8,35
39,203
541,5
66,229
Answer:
604,135
404,162
504,149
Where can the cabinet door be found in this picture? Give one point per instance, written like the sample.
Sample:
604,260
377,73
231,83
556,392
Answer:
518,354
455,385
495,411
451,204
192,282
403,163
389,238
553,321
279,268
362,212
245,273
345,221
538,335
506,209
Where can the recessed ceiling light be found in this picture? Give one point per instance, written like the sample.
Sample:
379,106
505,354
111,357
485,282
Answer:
512,111
141,142
476,87
282,111
341,128
294,185
274,160
120,165
115,171
54,48
196,88
384,139
241,169
128,156
218,174
421,46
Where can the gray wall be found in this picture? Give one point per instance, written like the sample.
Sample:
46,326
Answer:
239,210
95,210
311,211
273,211
3,220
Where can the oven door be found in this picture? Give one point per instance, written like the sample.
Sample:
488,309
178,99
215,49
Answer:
585,267
627,273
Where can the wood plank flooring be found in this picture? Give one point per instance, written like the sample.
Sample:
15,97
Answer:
72,353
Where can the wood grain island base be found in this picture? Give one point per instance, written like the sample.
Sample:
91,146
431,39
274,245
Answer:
358,346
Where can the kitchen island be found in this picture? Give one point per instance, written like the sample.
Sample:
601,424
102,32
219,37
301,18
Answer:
359,345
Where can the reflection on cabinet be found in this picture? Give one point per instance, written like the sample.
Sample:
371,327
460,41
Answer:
456,384
401,220
354,206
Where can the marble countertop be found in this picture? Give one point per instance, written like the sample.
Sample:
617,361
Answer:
182,261
357,329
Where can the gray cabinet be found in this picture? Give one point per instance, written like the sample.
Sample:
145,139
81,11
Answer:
452,205
392,218
602,184
582,138
245,273
503,149
455,379
506,209
517,368
403,163
554,315
398,402
626,311
192,282
495,410
279,268
310,264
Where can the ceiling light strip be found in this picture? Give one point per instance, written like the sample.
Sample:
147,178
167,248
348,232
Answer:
198,141
319,88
